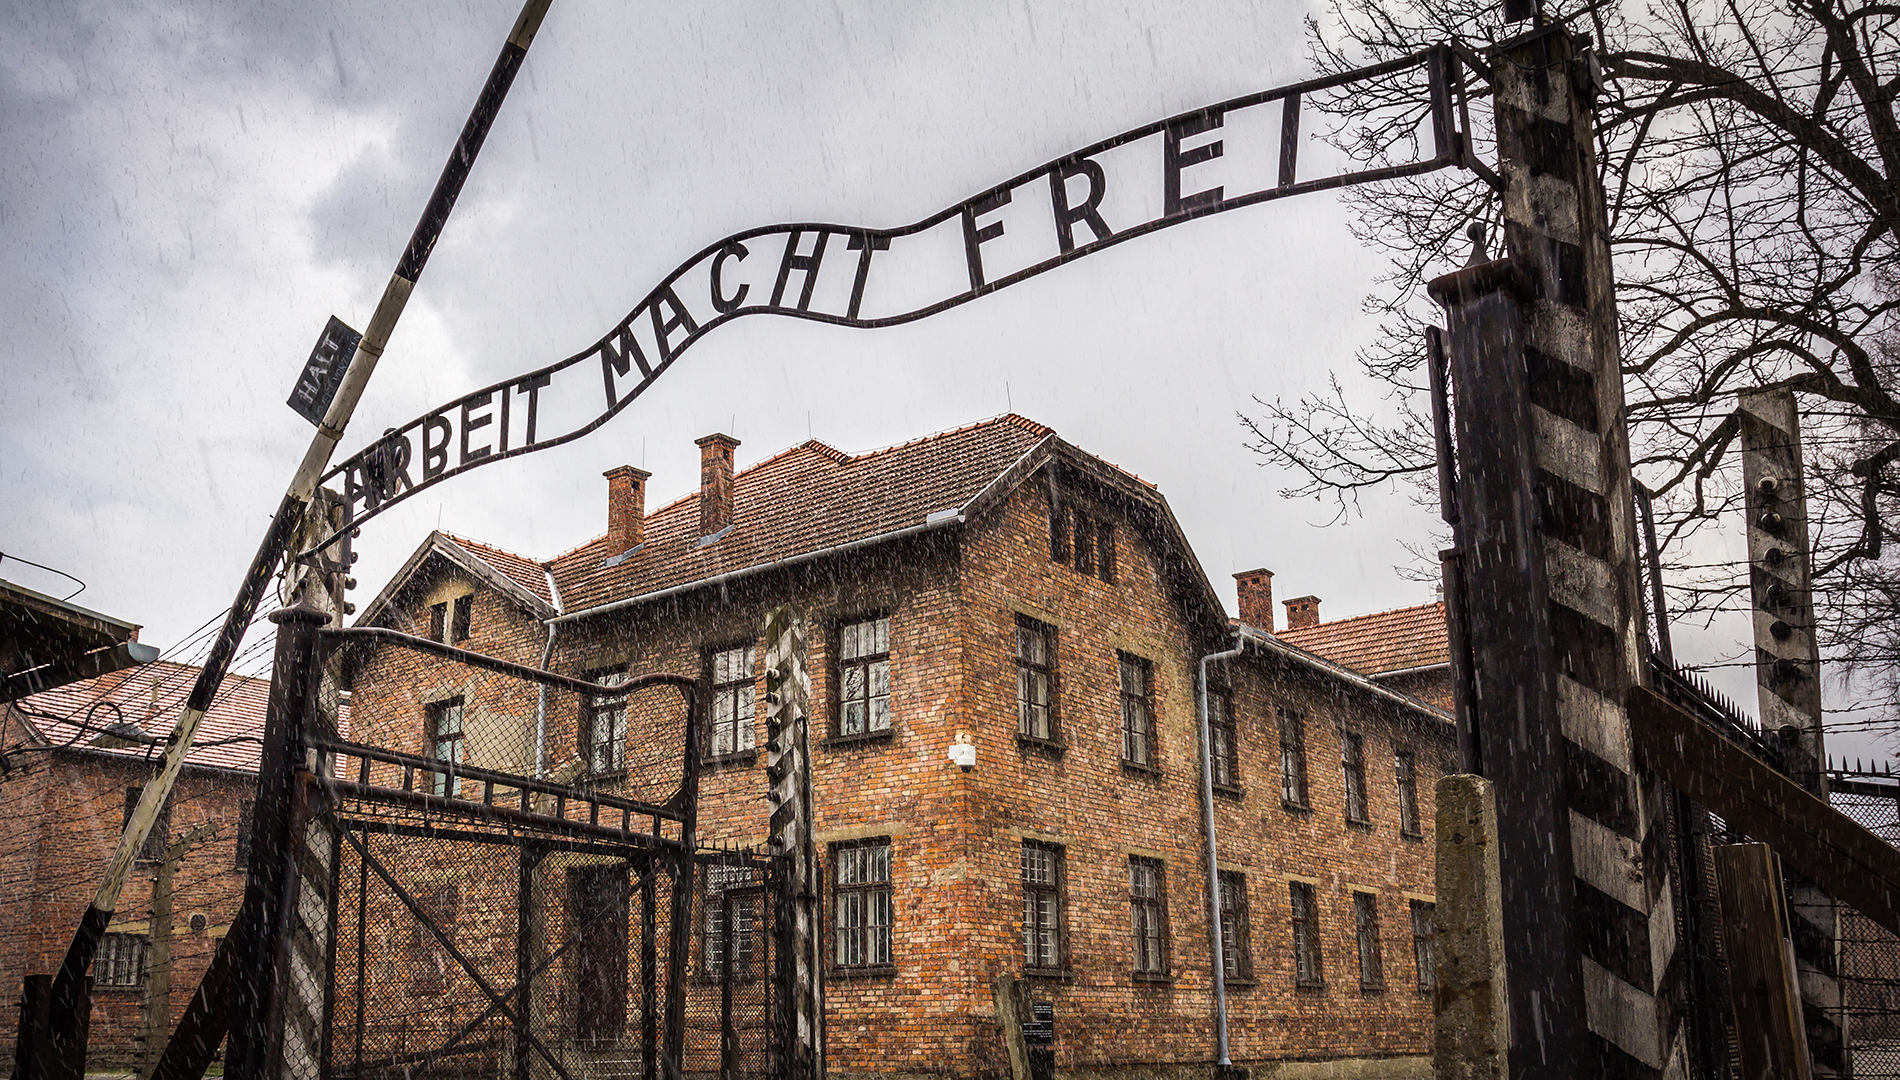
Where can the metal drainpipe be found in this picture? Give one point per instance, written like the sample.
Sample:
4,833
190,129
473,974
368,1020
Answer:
1213,864
541,708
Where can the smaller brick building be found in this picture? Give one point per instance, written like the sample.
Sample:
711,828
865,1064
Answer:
998,586
1405,648
64,802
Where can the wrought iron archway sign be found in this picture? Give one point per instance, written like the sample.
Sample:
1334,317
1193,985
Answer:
1222,157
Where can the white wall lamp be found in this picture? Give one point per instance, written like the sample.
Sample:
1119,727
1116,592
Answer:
963,752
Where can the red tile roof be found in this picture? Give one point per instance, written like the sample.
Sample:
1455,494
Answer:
236,713
520,569
1383,641
805,499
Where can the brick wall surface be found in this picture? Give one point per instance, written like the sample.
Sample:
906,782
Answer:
953,598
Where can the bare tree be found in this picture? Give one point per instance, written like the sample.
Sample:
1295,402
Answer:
1749,153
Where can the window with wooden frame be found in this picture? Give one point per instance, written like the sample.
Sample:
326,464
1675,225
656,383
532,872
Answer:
1148,914
1042,908
1083,540
1138,722
1306,954
730,933
1036,680
1425,944
156,841
445,744
1365,914
861,904
597,914
1293,759
1223,738
603,727
1236,935
247,810
1352,764
439,622
1405,770
864,677
462,619
120,961
733,697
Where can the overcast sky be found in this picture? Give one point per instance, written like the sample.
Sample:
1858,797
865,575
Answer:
190,191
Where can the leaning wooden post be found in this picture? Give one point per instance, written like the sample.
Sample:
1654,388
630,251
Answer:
1788,683
788,772
1762,986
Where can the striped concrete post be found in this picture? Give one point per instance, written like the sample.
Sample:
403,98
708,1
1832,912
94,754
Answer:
1787,669
1548,565
788,771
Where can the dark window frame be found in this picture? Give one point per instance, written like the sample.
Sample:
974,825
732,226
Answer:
718,885
1352,767
1425,944
855,944
593,709
462,618
1027,673
152,850
1036,931
1295,791
1083,540
1308,960
866,663
1236,928
120,962
1371,951
439,622
750,684
1139,741
1224,735
1148,916
435,712
1405,778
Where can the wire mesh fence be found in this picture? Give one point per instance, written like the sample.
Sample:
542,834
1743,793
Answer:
1869,953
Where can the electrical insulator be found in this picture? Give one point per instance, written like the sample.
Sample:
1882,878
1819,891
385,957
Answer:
349,608
1776,595
1769,522
1781,630
349,583
1775,557
1768,486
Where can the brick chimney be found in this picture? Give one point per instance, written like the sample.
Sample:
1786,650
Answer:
626,508
1302,611
715,482
1256,598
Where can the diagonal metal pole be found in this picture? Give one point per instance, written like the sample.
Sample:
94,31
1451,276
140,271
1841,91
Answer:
303,485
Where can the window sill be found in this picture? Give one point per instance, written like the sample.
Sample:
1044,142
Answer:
869,971
1247,982
1050,747
118,989
1232,792
1059,974
1403,835
1362,826
1378,989
859,739
604,777
725,761
1313,985
1136,768
1295,808
1152,978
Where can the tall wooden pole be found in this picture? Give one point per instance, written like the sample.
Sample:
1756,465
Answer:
290,512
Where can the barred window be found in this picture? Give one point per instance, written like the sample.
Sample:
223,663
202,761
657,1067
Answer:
1293,759
1137,678
732,701
864,676
1042,906
861,909
1148,911
1223,737
731,887
1035,679
1405,766
1236,937
1365,910
462,622
1352,761
1425,944
120,960
604,725
445,744
1306,955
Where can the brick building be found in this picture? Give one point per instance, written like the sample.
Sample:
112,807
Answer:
996,584
1404,648
64,799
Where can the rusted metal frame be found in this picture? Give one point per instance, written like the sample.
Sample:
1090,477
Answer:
649,1065
350,635
524,951
349,789
325,1064
497,999
411,762
681,918
1840,854
395,1060
362,945
728,1038
430,832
